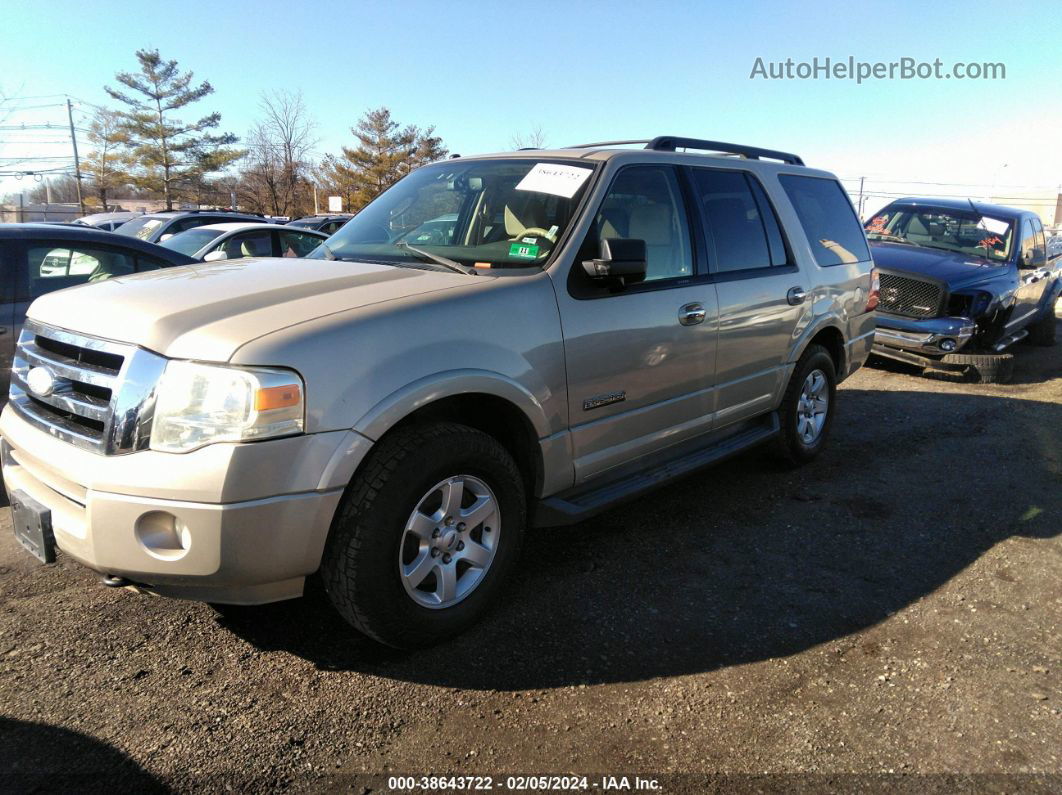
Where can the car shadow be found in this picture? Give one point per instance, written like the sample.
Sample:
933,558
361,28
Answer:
36,757
742,562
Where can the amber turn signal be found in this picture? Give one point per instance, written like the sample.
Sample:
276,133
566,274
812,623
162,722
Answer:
277,397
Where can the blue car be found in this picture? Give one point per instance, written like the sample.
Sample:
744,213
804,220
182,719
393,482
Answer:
961,282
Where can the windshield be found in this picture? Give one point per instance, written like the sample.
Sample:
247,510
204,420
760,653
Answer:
963,231
190,241
482,213
139,227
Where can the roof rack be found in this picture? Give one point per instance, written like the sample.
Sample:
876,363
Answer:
671,143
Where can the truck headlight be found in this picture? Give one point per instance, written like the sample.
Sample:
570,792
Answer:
200,404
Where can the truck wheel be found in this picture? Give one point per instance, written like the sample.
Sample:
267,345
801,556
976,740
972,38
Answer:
806,413
1042,332
990,368
426,535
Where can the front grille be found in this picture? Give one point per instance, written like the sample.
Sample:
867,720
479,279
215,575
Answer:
910,296
87,391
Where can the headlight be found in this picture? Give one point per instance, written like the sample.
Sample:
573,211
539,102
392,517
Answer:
199,404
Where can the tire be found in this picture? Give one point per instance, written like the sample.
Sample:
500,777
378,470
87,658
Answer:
1042,332
371,540
793,444
990,368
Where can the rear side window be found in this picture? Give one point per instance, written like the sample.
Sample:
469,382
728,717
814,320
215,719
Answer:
830,223
740,226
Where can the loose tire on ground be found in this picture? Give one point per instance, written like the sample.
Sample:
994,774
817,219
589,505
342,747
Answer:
990,368
361,565
791,445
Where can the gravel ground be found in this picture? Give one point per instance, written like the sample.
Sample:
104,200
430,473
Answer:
888,617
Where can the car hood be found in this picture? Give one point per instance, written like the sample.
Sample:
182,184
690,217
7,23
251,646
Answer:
207,311
951,267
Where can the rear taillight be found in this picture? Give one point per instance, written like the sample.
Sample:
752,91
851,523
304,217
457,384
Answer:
875,290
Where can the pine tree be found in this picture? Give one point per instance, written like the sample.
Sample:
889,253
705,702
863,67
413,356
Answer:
106,166
170,154
385,153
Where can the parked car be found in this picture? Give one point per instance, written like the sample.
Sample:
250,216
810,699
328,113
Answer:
108,222
36,259
438,231
961,282
329,224
158,227
235,240
395,415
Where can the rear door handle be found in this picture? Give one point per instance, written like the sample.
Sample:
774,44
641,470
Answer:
691,314
795,296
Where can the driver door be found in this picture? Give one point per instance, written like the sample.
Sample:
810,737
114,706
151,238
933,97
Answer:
1032,277
640,361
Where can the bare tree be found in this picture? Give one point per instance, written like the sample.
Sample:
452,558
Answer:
535,139
276,177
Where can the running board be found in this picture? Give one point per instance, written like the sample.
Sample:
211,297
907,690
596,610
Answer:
1009,340
577,505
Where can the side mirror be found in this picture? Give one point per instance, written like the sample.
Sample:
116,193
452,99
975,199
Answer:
165,237
214,256
622,259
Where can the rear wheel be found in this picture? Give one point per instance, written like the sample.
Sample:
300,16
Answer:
806,412
426,535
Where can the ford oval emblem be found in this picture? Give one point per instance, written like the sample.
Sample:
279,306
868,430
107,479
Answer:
40,381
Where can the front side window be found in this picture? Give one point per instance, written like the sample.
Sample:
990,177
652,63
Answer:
486,213
966,232
740,226
50,268
249,244
828,219
645,203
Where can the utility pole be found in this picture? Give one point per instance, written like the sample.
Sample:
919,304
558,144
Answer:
860,204
77,162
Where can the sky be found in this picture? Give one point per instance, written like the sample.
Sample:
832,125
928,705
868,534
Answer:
482,72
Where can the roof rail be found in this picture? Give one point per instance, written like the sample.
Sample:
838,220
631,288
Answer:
607,143
669,143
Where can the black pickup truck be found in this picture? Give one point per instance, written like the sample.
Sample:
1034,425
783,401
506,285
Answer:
960,283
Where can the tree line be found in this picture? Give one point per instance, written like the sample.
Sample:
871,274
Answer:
152,144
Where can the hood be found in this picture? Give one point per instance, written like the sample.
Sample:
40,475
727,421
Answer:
951,267
207,311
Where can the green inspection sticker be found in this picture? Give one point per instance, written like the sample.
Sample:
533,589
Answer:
523,251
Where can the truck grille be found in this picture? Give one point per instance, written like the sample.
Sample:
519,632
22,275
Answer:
906,295
93,393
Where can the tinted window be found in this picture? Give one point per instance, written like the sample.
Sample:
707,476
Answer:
644,203
741,229
52,268
830,223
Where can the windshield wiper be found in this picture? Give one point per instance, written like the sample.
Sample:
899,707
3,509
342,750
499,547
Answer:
446,262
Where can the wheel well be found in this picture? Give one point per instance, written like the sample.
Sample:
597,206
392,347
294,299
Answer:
832,340
494,416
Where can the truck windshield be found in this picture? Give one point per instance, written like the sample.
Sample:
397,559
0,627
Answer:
499,213
965,232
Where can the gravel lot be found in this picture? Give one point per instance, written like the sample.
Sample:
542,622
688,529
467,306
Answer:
896,607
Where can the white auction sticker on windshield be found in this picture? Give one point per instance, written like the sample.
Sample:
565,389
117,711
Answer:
555,179
994,225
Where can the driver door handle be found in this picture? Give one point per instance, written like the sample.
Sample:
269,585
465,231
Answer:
795,296
691,314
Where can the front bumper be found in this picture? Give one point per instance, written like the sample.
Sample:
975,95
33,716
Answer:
922,336
236,523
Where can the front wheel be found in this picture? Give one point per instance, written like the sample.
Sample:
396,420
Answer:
807,408
426,535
